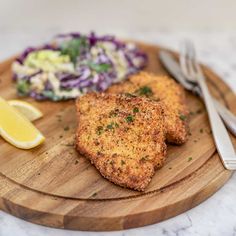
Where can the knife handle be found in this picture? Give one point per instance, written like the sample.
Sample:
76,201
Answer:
226,115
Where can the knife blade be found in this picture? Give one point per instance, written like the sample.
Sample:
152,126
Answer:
172,66
174,69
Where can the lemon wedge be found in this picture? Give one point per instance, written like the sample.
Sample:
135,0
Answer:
26,109
16,129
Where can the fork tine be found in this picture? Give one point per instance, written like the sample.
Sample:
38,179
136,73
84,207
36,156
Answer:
189,59
191,49
193,56
183,59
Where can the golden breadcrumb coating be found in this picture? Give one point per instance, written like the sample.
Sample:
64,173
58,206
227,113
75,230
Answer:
123,136
160,88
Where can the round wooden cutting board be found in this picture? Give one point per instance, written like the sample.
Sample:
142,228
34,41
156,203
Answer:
54,186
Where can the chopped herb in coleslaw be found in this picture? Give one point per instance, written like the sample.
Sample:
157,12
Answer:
74,64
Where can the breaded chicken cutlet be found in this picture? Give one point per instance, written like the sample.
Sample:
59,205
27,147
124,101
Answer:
163,89
124,137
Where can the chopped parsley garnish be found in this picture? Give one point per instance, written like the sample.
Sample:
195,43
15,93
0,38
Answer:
23,87
190,159
73,48
112,125
145,158
99,67
99,130
182,117
135,110
113,113
76,162
122,162
112,162
66,128
144,91
129,119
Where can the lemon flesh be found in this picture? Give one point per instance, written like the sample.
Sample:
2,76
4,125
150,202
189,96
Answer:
16,129
26,109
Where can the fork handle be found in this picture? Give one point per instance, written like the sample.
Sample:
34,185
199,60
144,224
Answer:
221,137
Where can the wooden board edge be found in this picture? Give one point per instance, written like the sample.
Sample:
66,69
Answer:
75,222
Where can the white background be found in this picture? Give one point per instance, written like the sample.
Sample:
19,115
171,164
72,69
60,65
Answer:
131,15
41,19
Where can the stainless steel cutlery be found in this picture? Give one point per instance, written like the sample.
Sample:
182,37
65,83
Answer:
191,76
173,67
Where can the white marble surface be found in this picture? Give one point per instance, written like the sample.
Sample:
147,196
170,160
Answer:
217,215
128,14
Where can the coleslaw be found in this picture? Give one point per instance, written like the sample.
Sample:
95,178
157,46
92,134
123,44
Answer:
74,64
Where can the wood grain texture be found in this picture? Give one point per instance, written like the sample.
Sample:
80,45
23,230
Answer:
53,185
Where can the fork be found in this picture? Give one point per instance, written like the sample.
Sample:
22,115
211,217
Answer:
193,72
226,115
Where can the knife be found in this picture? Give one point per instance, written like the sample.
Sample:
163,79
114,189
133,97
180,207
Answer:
172,66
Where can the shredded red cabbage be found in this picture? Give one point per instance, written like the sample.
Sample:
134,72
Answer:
91,72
